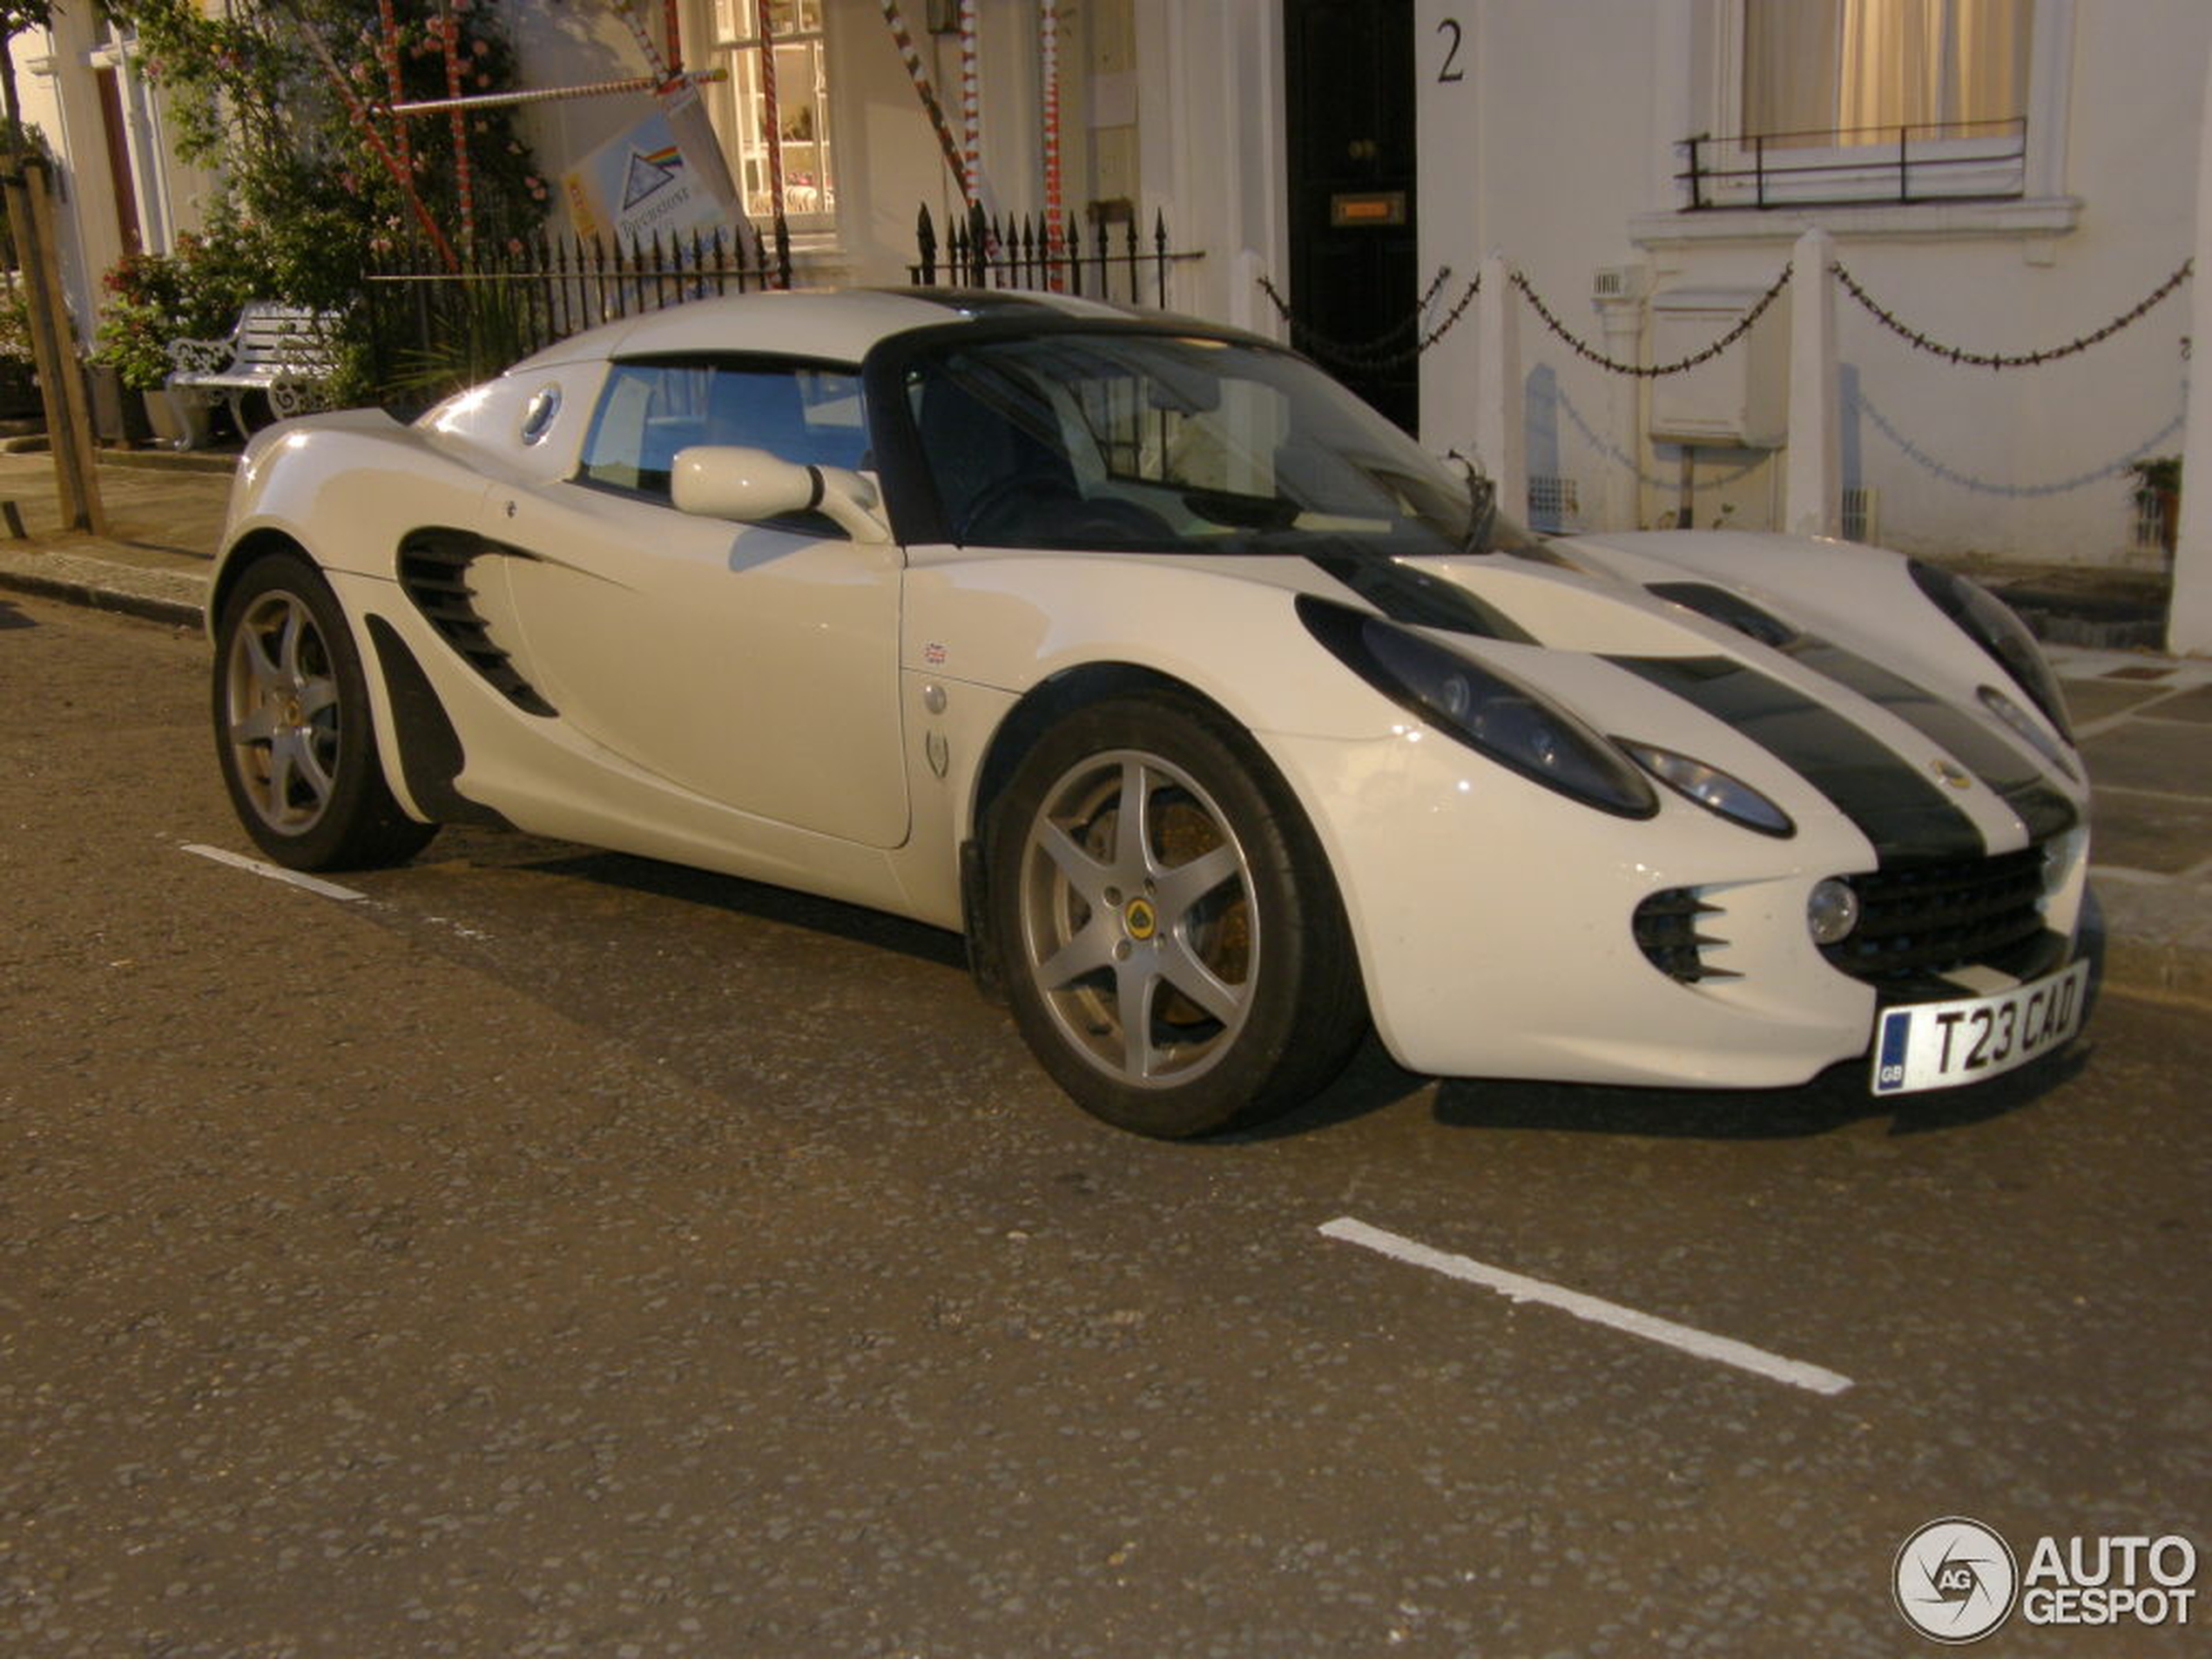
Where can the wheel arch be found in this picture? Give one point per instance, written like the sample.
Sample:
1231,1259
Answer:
1043,706
1057,696
1231,760
242,555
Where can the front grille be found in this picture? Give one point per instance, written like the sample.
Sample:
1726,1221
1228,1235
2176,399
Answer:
1917,922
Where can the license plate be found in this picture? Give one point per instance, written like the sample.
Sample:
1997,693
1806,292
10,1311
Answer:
1940,1045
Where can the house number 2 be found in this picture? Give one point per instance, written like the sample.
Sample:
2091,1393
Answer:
1451,70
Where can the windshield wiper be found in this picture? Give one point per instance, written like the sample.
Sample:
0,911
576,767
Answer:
1241,512
1483,510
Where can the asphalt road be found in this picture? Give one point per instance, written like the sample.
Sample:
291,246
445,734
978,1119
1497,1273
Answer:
548,1252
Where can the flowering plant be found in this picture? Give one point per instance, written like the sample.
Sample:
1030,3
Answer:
194,293
288,100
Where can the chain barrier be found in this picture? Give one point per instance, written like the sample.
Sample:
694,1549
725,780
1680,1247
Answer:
1371,354
2001,359
1652,371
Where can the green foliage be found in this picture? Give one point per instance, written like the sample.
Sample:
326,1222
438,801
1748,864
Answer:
2156,473
306,161
19,143
194,293
473,339
14,321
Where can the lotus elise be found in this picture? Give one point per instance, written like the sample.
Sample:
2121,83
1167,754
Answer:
1223,721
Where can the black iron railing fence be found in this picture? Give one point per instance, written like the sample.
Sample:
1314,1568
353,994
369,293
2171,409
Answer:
431,326
1926,161
1112,263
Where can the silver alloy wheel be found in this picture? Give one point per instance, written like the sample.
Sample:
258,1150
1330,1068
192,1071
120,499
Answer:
1139,925
281,712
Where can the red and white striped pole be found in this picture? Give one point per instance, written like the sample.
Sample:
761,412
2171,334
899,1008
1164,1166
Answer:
971,103
772,135
1049,53
465,183
644,37
364,124
388,50
911,56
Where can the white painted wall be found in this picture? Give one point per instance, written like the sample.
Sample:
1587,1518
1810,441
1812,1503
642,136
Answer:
54,80
1555,152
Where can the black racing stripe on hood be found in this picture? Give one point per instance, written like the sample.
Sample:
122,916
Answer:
1903,814
2017,781
1405,594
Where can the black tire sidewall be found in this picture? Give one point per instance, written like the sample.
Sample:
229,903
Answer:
361,824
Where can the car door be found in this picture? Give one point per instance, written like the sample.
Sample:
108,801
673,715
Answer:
755,664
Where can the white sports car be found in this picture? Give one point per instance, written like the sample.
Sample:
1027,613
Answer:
1219,717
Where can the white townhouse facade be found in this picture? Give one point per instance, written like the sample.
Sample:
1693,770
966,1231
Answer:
1486,213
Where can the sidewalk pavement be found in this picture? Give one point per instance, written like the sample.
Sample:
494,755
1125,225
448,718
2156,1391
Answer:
2144,720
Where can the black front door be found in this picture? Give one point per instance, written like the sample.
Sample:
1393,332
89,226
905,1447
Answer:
1349,70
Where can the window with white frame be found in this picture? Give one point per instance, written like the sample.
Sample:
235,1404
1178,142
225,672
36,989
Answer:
1854,71
1852,100
802,99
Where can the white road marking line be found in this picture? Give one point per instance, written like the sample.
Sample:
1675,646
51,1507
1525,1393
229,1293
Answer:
1519,1288
275,873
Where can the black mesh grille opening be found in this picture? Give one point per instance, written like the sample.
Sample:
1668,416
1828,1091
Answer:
1668,931
1917,922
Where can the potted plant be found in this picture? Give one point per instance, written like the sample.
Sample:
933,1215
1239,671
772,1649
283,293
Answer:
18,374
2158,494
148,307
192,293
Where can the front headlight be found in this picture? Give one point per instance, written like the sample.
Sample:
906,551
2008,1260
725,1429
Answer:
1718,792
1990,623
1482,708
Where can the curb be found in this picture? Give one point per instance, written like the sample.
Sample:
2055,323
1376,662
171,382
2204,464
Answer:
2162,973
152,596
2134,924
207,460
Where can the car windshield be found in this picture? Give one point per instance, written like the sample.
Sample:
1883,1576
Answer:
1144,442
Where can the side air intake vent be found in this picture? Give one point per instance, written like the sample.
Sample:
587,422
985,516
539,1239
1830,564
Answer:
1671,931
434,573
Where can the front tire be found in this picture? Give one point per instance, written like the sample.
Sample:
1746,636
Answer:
292,726
1173,947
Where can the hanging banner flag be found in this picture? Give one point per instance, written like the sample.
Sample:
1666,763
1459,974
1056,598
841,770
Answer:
665,177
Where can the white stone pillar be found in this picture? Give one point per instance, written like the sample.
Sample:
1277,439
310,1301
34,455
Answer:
2188,625
1812,492
1620,502
1501,421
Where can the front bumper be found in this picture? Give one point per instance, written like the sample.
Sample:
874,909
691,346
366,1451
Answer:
1495,923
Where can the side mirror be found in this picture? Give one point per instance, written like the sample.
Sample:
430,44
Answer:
726,481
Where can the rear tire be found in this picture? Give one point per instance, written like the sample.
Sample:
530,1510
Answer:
1174,946
293,730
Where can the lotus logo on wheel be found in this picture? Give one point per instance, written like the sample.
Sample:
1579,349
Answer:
1142,921
1951,772
1954,1580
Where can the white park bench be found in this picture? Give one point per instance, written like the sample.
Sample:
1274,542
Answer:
287,353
